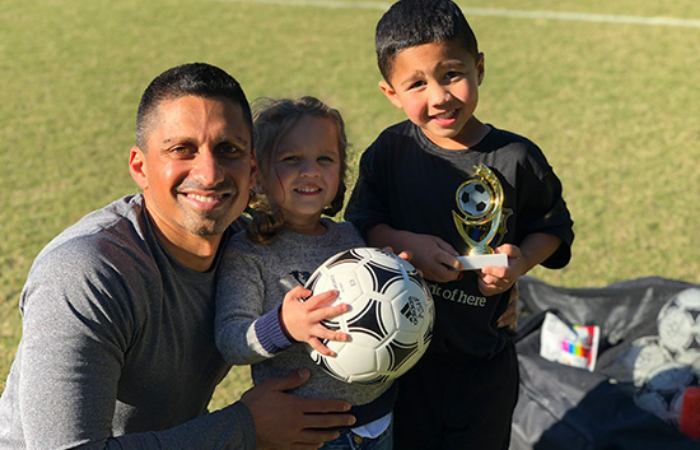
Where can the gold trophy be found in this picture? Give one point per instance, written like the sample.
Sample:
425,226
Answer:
480,201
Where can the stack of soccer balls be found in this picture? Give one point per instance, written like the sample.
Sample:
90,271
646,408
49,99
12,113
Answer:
664,366
390,320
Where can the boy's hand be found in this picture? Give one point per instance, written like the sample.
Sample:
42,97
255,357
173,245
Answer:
301,320
495,280
432,256
435,258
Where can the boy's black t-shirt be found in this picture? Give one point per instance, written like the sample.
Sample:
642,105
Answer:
409,183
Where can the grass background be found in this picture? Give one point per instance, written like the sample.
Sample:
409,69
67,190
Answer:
615,107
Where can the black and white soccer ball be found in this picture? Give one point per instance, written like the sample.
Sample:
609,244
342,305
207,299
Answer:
663,392
390,319
679,327
474,199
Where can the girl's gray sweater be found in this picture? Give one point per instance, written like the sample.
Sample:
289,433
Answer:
252,281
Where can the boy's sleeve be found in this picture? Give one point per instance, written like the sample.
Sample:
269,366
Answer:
367,206
543,210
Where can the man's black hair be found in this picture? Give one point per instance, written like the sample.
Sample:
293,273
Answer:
197,79
409,23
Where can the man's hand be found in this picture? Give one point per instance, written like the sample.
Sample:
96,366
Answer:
286,422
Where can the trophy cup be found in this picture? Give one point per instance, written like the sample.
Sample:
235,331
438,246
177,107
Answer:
480,201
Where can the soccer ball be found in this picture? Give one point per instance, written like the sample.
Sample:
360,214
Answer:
390,319
663,393
474,199
642,359
679,327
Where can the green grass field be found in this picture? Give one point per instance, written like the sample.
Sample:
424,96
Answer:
613,101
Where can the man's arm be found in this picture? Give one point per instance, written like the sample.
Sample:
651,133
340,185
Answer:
71,362
266,417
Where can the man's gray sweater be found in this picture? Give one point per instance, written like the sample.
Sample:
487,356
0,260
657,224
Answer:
118,346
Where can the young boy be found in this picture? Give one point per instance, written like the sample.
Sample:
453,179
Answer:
463,392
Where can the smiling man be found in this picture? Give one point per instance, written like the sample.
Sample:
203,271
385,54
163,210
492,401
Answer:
195,170
117,346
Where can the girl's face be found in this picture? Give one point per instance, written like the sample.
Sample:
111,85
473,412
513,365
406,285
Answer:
305,173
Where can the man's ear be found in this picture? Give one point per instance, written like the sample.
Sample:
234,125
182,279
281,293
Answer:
390,93
137,167
254,174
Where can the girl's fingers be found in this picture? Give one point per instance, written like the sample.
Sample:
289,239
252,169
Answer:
323,333
319,347
330,312
321,299
296,293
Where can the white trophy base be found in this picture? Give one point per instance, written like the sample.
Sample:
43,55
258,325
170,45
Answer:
480,261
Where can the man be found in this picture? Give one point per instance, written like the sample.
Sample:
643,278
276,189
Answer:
117,348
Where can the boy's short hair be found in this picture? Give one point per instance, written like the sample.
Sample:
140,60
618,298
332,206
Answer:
196,79
409,23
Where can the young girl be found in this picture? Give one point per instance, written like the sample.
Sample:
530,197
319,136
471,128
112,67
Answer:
301,154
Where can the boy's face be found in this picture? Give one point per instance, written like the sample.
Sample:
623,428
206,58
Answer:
437,85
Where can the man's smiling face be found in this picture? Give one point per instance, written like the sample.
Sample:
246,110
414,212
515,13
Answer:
197,168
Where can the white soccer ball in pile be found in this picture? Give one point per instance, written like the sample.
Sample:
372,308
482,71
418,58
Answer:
390,319
663,393
643,358
679,327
